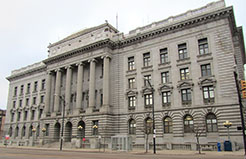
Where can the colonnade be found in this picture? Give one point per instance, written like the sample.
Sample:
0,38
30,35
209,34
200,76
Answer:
79,89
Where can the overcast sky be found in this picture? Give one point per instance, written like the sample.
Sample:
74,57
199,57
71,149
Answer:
28,26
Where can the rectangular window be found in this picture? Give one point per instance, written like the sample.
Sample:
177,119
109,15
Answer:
203,46
166,98
182,51
35,89
163,56
18,116
95,127
12,117
15,91
148,100
14,104
40,113
42,99
146,59
43,84
147,80
101,99
25,115
27,101
47,126
132,102
28,88
186,96
165,77
34,100
208,94
206,70
131,82
184,73
21,89
131,63
33,115
20,103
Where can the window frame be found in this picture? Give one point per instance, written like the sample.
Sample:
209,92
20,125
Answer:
188,124
208,94
146,59
166,96
132,127
184,73
186,96
131,63
203,46
163,55
206,70
132,102
167,125
131,83
148,100
211,123
182,50
165,77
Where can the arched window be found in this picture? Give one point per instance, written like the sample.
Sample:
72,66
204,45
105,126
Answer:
23,134
188,124
168,125
132,126
148,126
211,123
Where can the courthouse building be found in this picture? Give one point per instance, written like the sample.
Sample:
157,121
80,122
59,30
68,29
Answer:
183,66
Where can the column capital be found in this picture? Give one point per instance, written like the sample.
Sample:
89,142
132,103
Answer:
69,67
92,60
80,64
58,70
106,56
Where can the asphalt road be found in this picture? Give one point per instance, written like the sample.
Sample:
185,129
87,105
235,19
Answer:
16,153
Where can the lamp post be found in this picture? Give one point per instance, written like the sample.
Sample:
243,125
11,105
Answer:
63,116
33,135
227,124
80,128
43,130
153,113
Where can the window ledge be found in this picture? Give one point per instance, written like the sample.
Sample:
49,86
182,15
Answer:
184,59
204,55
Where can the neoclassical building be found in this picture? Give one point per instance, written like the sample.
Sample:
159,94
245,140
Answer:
108,82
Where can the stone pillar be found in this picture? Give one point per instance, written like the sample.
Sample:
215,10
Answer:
68,87
57,90
106,80
92,84
48,93
79,86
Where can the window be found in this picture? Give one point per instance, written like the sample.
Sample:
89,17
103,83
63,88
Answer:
38,130
14,104
95,127
206,70
42,99
148,126
188,124
27,101
12,117
203,46
34,100
18,116
132,102
33,115
148,101
43,84
186,96
35,86
163,55
165,77
47,126
28,88
40,113
166,98
25,115
131,64
182,51
21,89
132,126
208,94
146,59
184,73
30,130
16,131
168,125
23,133
101,99
131,83
20,103
147,80
15,91
211,123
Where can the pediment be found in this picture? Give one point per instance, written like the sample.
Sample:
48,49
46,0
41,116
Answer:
207,81
185,84
165,87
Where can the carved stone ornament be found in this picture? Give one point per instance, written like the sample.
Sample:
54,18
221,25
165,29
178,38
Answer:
206,82
131,93
146,90
165,87
185,84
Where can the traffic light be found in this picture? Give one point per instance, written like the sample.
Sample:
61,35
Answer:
243,88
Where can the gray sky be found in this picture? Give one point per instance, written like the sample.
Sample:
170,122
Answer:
28,26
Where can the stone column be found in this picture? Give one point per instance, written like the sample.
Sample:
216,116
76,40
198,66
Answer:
68,87
92,83
79,86
106,80
57,90
48,93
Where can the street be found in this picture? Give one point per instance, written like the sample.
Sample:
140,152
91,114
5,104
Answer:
25,153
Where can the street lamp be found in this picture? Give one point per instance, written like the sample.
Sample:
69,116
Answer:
227,124
33,135
153,113
63,116
80,129
43,130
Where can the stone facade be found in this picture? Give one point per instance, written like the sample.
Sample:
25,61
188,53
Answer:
98,74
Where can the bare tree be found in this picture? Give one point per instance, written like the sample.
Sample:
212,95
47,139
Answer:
198,130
